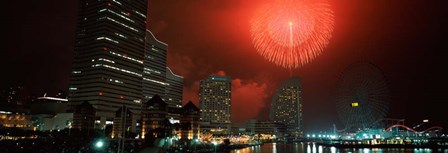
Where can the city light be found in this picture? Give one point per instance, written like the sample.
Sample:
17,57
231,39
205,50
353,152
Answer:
120,89
99,144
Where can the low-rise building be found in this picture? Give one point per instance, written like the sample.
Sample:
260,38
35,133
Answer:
189,120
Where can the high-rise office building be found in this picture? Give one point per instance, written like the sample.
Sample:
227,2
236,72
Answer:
215,102
173,91
154,71
158,79
108,56
287,106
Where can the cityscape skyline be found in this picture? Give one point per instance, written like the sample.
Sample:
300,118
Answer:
410,52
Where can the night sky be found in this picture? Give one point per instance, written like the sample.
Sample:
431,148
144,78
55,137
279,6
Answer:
406,39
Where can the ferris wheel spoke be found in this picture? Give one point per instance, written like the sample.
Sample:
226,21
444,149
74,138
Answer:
363,96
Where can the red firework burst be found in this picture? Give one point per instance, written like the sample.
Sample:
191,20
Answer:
291,33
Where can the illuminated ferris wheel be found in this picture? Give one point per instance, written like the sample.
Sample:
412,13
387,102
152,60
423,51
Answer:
363,96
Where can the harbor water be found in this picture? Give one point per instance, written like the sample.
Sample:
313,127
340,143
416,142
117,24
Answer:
304,147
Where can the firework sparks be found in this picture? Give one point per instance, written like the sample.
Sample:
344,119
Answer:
291,33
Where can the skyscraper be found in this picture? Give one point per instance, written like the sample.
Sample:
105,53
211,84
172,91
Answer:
287,106
173,91
158,79
108,56
215,102
154,72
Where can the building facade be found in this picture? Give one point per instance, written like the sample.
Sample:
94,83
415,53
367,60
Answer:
266,127
154,71
84,117
9,119
287,106
174,89
122,122
154,120
215,103
108,57
173,93
189,120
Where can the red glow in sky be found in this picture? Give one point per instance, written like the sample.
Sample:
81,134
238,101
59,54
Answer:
406,39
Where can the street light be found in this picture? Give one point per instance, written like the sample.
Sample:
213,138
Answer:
215,143
69,124
195,143
99,144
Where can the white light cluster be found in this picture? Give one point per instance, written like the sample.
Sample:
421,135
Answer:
103,59
122,36
117,14
108,39
116,81
118,69
151,70
117,2
73,88
122,24
155,81
76,72
144,16
126,57
4,112
137,101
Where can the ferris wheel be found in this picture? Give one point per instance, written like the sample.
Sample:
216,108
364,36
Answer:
363,96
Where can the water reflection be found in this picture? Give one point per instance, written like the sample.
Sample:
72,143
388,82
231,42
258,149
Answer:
314,148
333,149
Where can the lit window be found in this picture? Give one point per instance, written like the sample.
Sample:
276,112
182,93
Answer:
109,39
122,24
103,59
122,36
144,16
117,15
115,1
151,70
126,57
118,69
155,81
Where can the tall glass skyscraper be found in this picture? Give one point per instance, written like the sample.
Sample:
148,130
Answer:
174,89
154,72
108,56
287,106
215,101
